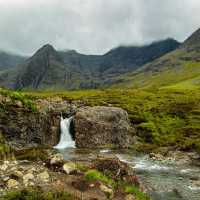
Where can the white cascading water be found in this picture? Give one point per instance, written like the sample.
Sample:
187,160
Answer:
66,140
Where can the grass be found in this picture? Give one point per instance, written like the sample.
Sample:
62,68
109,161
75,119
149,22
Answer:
95,175
130,189
19,96
37,194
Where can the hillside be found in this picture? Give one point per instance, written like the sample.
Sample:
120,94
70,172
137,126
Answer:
177,69
8,60
50,69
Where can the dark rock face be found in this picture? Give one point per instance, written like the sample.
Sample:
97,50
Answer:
101,126
22,126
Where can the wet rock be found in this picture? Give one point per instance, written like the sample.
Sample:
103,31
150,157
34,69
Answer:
99,126
81,185
69,167
19,104
108,191
55,163
57,159
5,178
28,177
4,167
11,184
130,197
196,183
157,157
113,166
16,174
43,177
132,179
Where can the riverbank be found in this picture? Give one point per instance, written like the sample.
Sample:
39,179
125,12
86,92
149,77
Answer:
104,177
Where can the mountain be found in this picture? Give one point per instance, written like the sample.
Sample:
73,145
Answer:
51,69
179,68
8,60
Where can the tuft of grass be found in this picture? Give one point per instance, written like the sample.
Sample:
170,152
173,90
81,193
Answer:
130,189
95,175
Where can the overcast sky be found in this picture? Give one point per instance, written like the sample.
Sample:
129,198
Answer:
93,26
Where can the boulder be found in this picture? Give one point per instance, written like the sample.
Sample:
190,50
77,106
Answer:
55,163
28,177
102,126
43,177
130,197
69,167
12,184
57,159
108,191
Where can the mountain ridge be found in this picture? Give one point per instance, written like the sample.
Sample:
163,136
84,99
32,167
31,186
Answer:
71,70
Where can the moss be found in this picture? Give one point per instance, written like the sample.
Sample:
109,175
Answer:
37,194
32,154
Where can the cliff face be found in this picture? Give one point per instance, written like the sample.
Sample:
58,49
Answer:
23,126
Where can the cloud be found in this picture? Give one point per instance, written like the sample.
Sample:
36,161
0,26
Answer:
93,26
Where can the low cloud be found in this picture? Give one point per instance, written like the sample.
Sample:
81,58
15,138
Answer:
93,26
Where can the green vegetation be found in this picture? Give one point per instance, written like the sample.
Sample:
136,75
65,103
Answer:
162,118
95,175
37,194
166,117
19,96
130,189
32,154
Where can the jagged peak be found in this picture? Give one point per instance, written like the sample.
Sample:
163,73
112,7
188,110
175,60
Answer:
47,50
193,40
46,47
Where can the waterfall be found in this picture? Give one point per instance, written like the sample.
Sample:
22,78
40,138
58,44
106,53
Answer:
66,140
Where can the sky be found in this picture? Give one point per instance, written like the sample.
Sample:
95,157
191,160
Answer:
93,26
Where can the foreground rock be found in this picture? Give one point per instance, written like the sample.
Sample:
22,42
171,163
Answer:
101,126
101,179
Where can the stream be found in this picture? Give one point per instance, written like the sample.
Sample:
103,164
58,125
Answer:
163,181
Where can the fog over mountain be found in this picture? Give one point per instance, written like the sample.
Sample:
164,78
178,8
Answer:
93,26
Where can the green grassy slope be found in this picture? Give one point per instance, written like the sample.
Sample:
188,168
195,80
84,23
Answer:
179,68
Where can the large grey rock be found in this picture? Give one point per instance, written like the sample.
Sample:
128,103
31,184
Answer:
102,126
